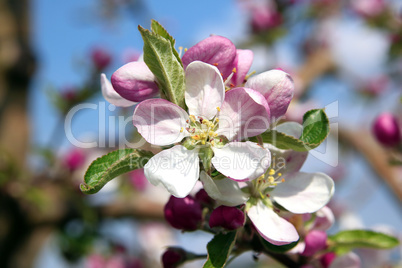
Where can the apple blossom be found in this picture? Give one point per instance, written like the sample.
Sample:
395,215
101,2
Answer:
216,123
297,192
101,58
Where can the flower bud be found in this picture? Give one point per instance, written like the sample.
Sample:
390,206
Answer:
229,218
135,82
173,257
202,197
101,58
386,130
327,259
315,240
183,213
74,159
138,179
265,18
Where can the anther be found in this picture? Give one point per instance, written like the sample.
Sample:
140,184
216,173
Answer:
219,109
215,64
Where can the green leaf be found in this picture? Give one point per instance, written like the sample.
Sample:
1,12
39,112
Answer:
315,127
109,166
157,28
219,249
315,131
167,68
349,239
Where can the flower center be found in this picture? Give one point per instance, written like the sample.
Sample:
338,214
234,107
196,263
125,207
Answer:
268,181
202,131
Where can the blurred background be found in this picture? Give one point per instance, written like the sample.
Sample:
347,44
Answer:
344,55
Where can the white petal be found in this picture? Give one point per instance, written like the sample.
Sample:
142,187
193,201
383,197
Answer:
304,192
205,90
227,192
160,122
349,260
241,161
177,169
111,95
270,226
286,161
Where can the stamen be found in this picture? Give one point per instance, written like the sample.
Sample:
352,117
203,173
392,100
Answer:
215,64
219,109
180,51
185,49
181,130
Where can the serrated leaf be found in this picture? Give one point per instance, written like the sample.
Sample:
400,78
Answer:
157,28
219,249
109,166
315,131
315,127
350,239
168,70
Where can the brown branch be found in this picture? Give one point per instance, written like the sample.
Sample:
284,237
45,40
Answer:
377,157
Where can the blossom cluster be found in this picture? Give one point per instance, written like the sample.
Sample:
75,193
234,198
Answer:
209,142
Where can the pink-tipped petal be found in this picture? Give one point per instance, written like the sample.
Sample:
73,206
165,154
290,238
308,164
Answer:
205,90
244,114
242,63
215,50
241,161
225,191
277,87
270,226
111,95
177,169
135,82
304,192
160,122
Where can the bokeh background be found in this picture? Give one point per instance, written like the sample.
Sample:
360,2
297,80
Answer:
342,55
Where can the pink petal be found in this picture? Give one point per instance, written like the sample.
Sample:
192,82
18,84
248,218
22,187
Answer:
277,87
241,161
270,226
242,63
205,90
111,95
160,122
244,114
134,81
215,50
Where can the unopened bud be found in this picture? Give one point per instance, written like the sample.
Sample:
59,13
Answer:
135,82
315,240
386,130
183,213
101,58
229,218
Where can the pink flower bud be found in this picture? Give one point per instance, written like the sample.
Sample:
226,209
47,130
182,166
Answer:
173,257
101,58
229,218
135,82
315,240
138,179
265,18
386,130
202,197
74,159
368,8
327,259
183,213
